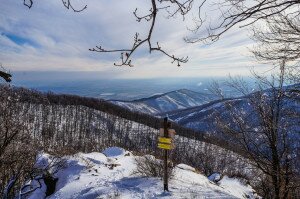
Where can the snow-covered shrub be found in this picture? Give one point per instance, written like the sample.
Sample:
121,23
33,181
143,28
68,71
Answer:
42,175
149,166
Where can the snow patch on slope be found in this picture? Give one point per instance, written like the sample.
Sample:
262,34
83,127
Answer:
235,186
91,175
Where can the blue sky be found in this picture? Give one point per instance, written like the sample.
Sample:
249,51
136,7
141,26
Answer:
49,37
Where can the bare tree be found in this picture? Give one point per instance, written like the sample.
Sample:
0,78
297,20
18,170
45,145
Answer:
278,39
215,89
17,150
265,128
239,13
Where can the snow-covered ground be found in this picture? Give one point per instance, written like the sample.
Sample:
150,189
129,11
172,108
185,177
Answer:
110,175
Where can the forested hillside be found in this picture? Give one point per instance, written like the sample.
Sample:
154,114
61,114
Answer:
59,124
32,122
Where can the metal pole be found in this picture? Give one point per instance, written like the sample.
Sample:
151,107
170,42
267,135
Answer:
166,188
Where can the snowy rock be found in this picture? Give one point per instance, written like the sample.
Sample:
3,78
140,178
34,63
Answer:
42,160
114,152
215,177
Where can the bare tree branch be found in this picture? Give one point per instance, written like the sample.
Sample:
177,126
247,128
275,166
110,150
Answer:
138,42
240,13
28,3
67,4
5,75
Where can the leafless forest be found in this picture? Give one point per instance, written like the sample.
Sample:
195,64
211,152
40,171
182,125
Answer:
60,124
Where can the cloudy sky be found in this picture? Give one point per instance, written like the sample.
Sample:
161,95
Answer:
48,37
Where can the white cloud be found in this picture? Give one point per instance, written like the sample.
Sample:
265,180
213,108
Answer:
62,38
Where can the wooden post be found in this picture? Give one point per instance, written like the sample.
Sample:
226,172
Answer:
166,126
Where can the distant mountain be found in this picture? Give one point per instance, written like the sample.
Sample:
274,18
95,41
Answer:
174,100
203,118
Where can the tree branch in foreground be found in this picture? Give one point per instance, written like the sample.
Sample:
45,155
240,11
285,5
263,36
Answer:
138,42
6,76
66,3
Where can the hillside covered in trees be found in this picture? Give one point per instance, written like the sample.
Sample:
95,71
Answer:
35,122
60,124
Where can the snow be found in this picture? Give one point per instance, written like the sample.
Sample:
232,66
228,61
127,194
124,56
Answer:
110,175
215,177
186,167
114,151
39,192
42,160
236,188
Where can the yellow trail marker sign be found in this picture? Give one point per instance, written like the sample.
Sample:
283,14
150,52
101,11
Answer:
165,146
165,140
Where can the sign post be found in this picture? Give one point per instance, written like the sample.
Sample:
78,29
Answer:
166,126
165,142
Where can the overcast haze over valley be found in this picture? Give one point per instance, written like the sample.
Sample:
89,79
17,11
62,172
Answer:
95,84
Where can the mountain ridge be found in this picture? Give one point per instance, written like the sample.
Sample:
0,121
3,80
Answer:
166,102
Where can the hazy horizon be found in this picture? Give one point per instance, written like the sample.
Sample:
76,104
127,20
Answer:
93,84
